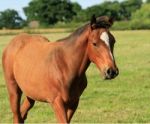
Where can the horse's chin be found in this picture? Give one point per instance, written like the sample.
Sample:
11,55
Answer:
103,74
107,77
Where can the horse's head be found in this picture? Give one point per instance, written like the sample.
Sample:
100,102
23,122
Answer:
100,46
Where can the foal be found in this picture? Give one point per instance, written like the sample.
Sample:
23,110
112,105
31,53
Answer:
55,72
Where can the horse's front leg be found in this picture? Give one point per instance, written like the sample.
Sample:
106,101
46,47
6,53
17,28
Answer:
60,109
71,108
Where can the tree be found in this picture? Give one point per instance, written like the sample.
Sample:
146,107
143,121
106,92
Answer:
141,18
112,9
50,11
130,6
147,1
143,13
10,19
76,7
106,8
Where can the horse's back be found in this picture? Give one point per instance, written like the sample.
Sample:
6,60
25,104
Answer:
14,47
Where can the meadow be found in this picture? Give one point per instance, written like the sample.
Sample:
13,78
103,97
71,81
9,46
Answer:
125,99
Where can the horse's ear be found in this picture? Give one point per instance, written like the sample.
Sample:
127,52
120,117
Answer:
111,20
93,21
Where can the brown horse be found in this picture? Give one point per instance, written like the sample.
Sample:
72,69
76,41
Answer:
55,72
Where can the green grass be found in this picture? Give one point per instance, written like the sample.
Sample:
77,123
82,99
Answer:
125,99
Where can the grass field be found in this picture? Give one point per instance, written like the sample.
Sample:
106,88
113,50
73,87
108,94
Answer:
125,99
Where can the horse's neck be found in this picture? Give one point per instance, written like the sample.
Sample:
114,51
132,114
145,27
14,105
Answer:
77,50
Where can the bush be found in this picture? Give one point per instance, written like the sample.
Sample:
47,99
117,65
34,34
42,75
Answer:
141,18
121,25
138,24
133,24
71,25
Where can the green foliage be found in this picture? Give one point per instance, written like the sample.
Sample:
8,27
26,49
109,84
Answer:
121,25
141,18
138,24
51,11
10,19
71,25
130,6
128,14
81,16
117,10
142,13
147,1
112,9
76,7
107,8
132,25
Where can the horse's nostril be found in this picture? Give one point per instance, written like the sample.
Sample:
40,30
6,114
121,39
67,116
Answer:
110,73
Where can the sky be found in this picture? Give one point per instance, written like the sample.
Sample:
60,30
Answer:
19,4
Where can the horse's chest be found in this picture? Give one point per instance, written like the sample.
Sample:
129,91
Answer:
75,89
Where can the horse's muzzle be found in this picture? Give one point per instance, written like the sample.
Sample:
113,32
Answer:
111,73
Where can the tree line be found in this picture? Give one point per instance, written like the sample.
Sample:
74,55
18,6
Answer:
128,13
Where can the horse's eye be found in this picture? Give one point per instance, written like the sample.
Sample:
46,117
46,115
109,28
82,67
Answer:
94,44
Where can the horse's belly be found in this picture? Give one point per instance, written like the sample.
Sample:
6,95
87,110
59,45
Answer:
29,88
38,90
32,78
